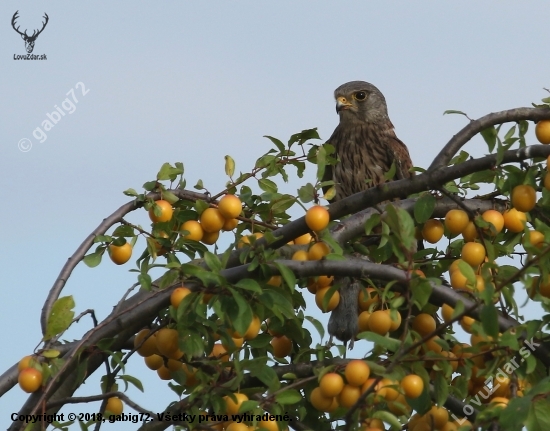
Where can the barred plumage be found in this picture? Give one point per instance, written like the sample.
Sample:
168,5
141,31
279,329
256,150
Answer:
366,147
365,142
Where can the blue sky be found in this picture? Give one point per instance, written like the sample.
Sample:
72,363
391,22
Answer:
192,82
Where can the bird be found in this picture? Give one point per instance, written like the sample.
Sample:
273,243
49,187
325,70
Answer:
365,142
366,147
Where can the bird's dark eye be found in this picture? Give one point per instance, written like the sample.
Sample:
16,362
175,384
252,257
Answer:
360,95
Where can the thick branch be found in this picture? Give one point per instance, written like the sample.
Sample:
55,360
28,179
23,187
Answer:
83,248
354,226
476,126
101,397
426,181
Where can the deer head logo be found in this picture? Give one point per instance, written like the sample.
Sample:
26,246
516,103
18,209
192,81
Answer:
29,40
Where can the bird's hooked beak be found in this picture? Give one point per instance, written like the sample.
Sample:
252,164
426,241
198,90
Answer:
342,103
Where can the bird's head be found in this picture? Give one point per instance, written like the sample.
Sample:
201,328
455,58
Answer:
360,102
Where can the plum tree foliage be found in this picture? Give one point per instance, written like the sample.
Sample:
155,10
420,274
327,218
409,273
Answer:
218,347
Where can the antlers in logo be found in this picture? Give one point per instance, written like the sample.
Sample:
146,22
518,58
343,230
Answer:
29,40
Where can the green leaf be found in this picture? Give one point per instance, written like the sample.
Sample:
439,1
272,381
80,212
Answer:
330,193
441,386
509,340
303,136
421,290
212,261
124,230
452,187
391,173
145,281
168,172
516,412
267,185
424,208
306,193
453,111
276,301
200,206
459,309
468,272
539,416
388,343
170,197
282,204
190,342
335,256
489,320
510,132
130,379
287,274
385,235
423,403
487,176
105,344
164,172
541,388
389,418
60,317
265,161
289,396
249,284
51,353
207,277
318,326
374,220
94,259
321,162
104,238
404,228
266,374
460,158
280,146
242,316
531,364
130,192
490,136
523,127
229,166
150,185
333,244
199,185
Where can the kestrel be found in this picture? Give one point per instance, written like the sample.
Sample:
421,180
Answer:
365,142
366,147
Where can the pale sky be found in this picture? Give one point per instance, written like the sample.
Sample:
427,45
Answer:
192,82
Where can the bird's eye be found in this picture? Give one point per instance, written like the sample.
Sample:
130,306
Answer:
360,95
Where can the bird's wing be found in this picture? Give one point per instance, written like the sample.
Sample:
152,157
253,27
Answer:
398,153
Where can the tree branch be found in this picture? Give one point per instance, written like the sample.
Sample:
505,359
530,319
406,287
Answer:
104,226
476,126
429,180
100,397
354,225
